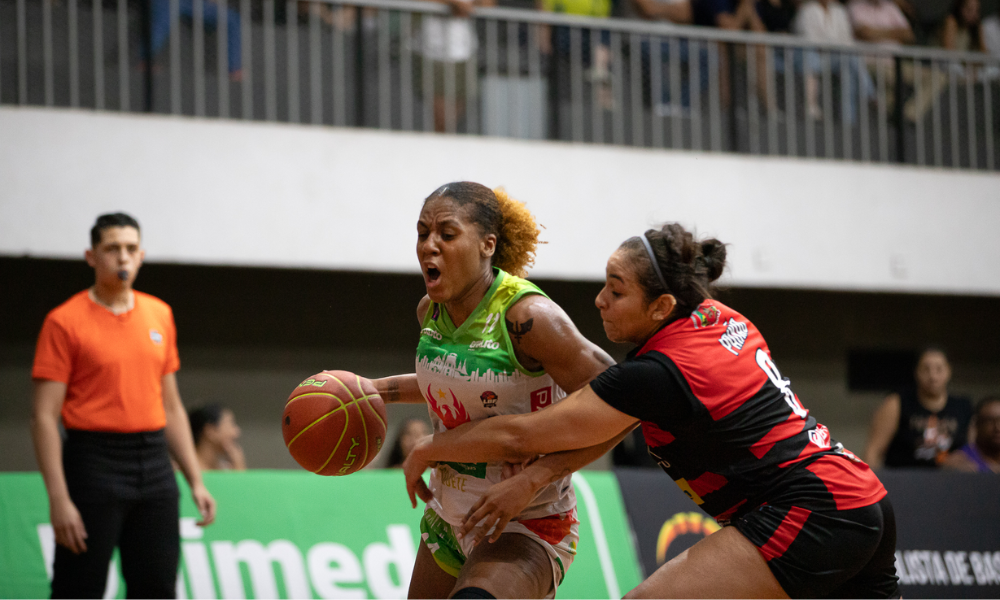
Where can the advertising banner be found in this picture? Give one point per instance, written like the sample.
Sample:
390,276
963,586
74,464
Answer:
664,520
288,534
948,528
948,533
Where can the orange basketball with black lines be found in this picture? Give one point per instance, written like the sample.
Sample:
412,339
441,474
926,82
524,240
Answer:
334,423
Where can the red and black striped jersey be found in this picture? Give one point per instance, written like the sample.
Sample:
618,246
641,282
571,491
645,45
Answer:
725,425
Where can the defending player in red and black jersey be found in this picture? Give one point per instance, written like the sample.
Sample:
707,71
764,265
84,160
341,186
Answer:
805,517
731,439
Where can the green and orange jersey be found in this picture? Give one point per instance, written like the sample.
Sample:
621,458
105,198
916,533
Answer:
471,372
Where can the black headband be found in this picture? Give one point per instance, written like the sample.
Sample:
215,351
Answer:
652,259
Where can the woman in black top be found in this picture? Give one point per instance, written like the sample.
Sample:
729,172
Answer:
802,516
918,428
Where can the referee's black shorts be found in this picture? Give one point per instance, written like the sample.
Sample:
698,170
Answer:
827,553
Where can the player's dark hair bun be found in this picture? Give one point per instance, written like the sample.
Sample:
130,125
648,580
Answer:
688,266
714,255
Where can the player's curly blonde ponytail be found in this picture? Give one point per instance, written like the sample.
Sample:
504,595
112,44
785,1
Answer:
497,213
518,238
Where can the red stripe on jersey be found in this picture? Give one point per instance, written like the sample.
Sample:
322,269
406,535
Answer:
655,436
782,431
706,483
728,514
852,484
734,376
786,533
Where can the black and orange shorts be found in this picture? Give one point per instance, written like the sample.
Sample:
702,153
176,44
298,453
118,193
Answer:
827,553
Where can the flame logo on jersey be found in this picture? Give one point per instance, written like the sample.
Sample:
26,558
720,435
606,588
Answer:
452,414
680,524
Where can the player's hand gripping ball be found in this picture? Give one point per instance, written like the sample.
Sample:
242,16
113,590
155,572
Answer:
334,423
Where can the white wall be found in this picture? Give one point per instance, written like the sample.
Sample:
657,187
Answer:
228,192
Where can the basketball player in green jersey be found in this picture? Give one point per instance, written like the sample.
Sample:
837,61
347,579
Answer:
492,343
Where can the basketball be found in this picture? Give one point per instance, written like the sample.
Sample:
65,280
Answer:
333,423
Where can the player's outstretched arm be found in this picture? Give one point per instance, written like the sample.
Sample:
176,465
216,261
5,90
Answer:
507,499
399,389
581,420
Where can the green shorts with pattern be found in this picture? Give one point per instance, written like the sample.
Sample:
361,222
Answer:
557,534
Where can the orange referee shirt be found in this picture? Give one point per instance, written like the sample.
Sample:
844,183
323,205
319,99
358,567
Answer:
112,365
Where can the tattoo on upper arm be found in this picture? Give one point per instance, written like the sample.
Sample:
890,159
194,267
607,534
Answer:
391,392
518,329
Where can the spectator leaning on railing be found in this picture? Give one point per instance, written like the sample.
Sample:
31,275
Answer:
449,43
734,15
160,20
777,15
983,454
597,58
677,12
880,22
963,28
827,21
883,22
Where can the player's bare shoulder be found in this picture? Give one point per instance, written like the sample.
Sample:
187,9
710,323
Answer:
422,307
536,320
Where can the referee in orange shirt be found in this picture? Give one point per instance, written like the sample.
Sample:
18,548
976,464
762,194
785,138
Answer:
105,364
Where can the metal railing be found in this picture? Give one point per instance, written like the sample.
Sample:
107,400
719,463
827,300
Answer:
400,65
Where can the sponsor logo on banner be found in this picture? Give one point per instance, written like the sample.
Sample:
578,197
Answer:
334,570
541,398
948,567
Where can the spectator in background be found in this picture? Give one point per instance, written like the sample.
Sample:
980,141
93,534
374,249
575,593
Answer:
880,22
827,21
734,15
670,11
596,57
160,26
991,34
919,428
983,454
883,22
216,438
777,15
409,433
449,43
963,28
